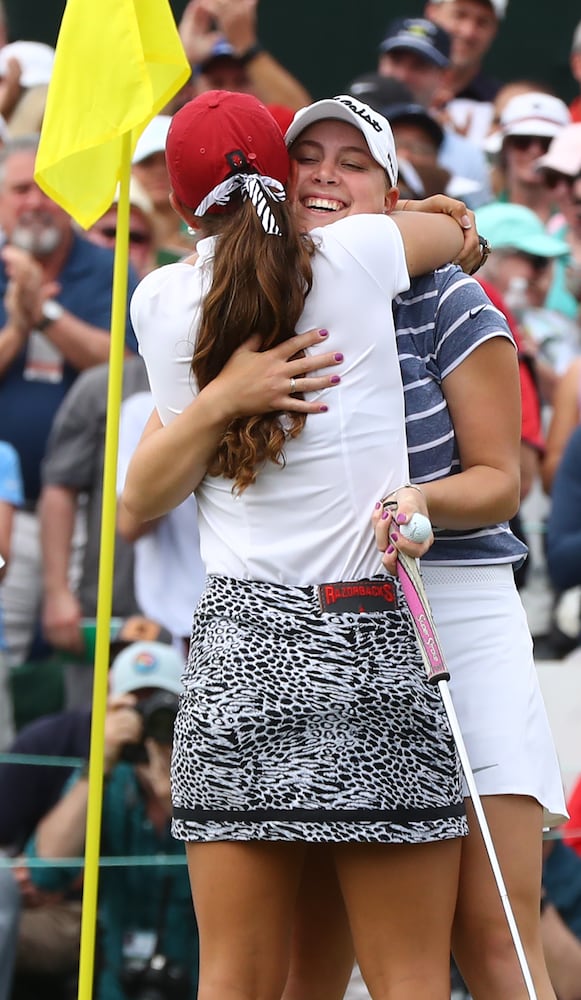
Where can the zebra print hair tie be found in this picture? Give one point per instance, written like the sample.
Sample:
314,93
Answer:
258,188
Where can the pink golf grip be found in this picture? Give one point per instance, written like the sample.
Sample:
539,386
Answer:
433,656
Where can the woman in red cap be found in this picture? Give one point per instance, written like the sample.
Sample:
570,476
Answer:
307,717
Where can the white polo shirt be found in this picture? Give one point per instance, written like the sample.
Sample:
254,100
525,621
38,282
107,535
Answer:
169,575
309,521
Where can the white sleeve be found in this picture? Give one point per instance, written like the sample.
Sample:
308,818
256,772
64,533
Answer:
165,313
135,412
376,243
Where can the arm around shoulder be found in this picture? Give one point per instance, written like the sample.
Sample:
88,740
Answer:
430,240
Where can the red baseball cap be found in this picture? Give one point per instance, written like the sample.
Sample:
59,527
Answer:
219,134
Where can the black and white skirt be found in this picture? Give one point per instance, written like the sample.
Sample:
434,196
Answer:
298,724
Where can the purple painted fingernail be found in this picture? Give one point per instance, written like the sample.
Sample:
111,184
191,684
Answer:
335,379
385,515
390,549
338,357
400,518
323,333
394,537
323,408
377,505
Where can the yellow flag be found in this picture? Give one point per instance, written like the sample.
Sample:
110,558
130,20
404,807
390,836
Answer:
117,64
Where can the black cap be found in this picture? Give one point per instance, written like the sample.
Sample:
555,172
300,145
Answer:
379,91
417,34
414,114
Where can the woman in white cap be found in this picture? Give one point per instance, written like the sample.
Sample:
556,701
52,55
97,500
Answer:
528,124
307,717
456,357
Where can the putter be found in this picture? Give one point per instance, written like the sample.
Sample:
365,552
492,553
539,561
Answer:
433,657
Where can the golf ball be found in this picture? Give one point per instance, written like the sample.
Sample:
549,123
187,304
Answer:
417,529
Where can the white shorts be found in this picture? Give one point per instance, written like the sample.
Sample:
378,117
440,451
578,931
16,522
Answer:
494,685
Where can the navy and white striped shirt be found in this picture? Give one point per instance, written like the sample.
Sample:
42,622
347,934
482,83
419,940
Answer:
439,321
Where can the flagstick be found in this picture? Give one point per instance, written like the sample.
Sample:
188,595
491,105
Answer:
105,591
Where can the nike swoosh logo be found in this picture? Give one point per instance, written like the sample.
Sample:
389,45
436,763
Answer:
476,770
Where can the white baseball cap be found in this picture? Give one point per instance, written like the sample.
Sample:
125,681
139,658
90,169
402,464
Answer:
498,6
534,113
152,139
375,129
35,58
146,665
564,154
138,197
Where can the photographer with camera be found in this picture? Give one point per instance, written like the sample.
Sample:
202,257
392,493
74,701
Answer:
147,932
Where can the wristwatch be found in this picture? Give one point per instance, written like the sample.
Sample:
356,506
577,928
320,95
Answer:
51,311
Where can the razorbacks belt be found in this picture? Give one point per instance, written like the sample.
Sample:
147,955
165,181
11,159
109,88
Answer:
357,597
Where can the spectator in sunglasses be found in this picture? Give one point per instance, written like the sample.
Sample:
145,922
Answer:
142,243
523,262
561,170
528,124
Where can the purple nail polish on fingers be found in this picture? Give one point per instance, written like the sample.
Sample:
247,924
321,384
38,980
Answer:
390,549
394,537
335,379
323,333
400,518
338,357
323,408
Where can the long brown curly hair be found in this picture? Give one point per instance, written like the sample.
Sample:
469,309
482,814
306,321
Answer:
259,285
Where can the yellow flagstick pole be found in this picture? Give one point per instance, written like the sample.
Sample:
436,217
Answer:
105,589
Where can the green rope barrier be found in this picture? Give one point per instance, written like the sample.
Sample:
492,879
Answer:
42,759
145,861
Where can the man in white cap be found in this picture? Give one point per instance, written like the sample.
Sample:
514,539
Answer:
142,245
473,25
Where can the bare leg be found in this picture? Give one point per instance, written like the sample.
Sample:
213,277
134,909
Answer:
322,950
400,900
563,954
244,898
483,946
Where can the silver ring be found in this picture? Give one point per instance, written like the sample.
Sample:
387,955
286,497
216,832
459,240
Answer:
293,386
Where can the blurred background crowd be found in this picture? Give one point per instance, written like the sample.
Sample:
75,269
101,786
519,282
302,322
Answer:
507,141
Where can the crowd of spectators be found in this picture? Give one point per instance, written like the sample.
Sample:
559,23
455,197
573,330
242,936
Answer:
511,150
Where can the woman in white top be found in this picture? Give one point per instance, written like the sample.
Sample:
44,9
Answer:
307,716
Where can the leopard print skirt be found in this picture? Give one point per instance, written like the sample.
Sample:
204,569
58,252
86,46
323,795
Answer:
299,725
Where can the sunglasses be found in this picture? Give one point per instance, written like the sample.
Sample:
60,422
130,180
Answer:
553,178
524,142
135,236
537,263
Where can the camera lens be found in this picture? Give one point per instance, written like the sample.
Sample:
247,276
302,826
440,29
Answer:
159,712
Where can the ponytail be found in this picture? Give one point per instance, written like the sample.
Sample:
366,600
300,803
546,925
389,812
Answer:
259,285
